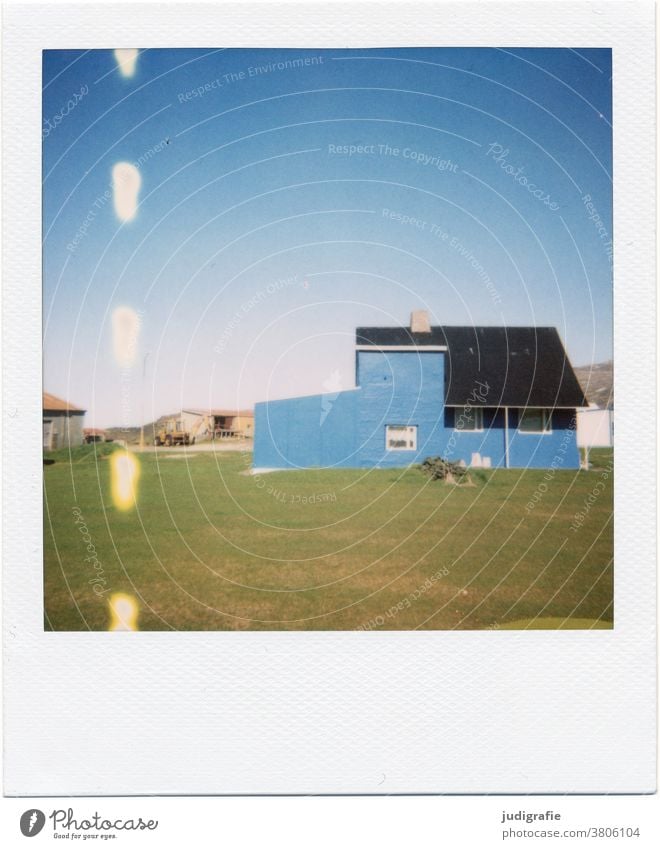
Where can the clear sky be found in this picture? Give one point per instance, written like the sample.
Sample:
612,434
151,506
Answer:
287,196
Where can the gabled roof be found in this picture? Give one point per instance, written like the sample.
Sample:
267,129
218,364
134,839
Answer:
52,403
522,366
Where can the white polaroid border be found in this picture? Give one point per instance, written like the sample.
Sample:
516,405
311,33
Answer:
396,712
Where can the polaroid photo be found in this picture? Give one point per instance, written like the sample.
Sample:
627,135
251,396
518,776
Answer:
314,324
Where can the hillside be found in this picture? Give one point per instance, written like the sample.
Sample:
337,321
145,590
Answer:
132,434
597,381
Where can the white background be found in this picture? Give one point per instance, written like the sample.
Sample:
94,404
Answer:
496,712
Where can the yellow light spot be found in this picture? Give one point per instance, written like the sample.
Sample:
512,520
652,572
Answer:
126,182
123,612
125,471
125,333
127,60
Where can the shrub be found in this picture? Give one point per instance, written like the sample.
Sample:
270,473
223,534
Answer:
437,468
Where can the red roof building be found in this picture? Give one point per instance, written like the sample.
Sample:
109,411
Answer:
62,423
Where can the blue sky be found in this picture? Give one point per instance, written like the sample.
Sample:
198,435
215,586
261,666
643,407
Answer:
287,196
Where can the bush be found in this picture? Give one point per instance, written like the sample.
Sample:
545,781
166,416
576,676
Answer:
437,468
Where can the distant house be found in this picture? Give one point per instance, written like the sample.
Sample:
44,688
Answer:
595,427
62,423
487,396
94,434
218,424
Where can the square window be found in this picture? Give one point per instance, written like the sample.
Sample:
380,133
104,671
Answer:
469,418
401,437
535,420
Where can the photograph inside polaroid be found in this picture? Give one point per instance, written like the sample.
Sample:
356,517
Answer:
327,339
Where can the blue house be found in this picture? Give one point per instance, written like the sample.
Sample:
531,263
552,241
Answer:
488,396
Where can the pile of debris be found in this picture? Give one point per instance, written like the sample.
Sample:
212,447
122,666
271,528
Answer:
440,469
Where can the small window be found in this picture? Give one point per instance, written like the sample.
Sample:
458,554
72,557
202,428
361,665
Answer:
469,418
535,421
401,437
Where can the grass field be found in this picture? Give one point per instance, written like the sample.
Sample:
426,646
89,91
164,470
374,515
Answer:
209,547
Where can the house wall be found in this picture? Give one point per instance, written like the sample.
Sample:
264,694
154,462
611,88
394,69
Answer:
595,428
244,425
318,430
399,388
462,444
66,429
557,449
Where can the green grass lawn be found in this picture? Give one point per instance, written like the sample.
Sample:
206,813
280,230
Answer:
208,547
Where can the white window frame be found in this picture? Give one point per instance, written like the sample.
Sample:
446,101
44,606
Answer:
478,426
411,435
546,416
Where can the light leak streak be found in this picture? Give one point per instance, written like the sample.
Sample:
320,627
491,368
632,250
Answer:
127,60
125,472
123,612
126,182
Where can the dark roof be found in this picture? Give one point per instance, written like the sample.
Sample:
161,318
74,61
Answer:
522,366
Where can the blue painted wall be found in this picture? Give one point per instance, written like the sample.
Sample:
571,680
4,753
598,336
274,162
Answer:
462,444
557,449
318,430
347,429
400,388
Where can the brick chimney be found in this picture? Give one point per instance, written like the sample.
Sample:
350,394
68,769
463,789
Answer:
419,322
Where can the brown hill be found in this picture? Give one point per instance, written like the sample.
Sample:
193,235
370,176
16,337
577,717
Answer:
132,434
597,381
